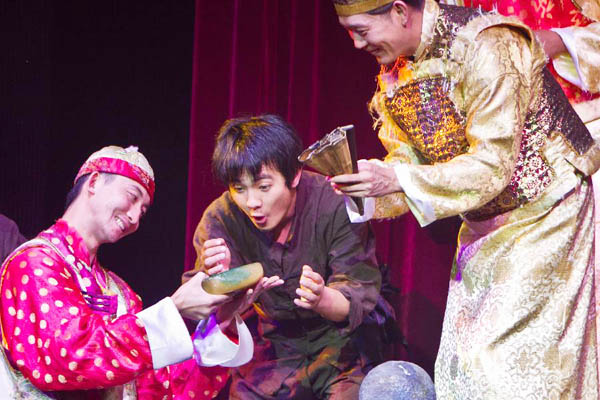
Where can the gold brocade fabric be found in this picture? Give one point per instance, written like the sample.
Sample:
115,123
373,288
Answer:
520,319
519,322
586,46
589,8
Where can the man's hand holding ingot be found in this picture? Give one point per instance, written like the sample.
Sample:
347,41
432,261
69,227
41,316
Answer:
216,256
310,290
372,180
193,302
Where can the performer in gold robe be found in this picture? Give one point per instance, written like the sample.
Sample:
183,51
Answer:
475,125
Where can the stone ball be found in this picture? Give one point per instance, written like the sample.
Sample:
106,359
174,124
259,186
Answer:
397,380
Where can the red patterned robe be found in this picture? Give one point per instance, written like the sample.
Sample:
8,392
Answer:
61,331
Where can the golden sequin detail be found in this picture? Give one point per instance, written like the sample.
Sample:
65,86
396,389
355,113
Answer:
423,110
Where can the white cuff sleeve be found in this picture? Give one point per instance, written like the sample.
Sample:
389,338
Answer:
354,214
212,347
562,64
419,205
168,336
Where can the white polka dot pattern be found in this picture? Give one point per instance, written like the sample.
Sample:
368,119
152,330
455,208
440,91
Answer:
55,337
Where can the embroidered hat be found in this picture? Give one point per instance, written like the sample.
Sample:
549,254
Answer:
127,162
345,8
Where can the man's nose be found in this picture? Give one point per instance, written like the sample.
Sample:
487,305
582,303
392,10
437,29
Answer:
134,213
253,201
359,41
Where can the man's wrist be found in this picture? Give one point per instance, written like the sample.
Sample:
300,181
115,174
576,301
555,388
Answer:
332,305
177,301
224,320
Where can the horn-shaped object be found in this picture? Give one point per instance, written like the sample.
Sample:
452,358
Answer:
334,154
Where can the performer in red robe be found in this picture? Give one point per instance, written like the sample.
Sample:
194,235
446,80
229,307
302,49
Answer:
72,329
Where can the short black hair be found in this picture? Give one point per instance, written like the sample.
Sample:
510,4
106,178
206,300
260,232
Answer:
76,189
246,144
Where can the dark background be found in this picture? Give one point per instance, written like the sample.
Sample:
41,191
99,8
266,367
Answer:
80,75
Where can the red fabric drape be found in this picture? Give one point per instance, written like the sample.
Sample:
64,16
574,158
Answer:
291,57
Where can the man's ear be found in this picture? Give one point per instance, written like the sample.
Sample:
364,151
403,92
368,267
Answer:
400,11
296,180
92,182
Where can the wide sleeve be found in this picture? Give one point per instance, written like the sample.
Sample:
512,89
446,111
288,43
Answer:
582,64
398,152
55,339
206,374
497,88
353,265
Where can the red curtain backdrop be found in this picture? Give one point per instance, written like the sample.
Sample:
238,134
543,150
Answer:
292,58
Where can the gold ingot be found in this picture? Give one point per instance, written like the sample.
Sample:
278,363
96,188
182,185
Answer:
234,279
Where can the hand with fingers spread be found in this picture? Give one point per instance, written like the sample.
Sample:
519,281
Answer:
243,301
193,302
372,180
314,295
216,256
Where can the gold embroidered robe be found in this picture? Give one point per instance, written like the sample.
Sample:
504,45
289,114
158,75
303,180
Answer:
479,128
